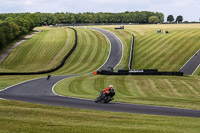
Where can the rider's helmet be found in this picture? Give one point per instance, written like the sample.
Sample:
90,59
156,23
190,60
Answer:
111,86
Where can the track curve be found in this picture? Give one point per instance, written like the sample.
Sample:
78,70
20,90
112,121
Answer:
40,91
116,51
192,64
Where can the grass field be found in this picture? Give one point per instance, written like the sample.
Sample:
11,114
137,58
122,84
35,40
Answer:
44,51
90,54
183,92
48,48
92,50
26,117
166,52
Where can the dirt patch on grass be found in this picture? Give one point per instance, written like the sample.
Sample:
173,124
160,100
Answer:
8,50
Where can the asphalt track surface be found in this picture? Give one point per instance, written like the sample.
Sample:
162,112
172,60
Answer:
116,51
41,91
192,64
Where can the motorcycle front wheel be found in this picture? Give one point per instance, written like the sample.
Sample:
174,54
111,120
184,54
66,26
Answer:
96,100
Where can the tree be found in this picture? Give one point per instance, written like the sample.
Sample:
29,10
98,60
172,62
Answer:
160,16
154,20
170,18
2,38
140,17
179,19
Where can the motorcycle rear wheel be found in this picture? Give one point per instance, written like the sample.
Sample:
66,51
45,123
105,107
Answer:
106,99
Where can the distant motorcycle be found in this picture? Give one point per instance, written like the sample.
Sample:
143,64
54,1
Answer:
107,98
48,76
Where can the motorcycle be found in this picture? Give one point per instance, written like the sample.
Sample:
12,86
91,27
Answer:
105,99
48,76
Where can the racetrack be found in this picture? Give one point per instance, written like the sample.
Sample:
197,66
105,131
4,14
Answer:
116,51
40,91
192,64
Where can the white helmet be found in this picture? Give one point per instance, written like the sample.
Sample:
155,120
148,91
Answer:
111,86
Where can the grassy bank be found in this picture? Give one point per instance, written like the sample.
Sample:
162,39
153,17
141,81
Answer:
43,51
182,92
27,117
90,54
152,50
166,52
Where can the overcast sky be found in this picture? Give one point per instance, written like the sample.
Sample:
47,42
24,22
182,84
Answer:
189,9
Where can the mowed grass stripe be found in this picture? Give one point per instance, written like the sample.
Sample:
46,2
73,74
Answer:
125,37
78,88
172,90
66,48
183,47
190,48
150,47
36,53
134,88
190,89
160,90
90,54
85,52
120,83
154,88
161,51
186,45
146,40
144,50
92,50
75,58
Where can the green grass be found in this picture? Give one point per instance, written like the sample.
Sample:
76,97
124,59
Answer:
182,92
43,51
166,52
90,54
6,81
27,117
46,50
152,50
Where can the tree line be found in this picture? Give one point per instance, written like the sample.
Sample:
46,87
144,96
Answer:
179,19
88,17
13,25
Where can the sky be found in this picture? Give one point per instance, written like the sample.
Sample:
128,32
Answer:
189,9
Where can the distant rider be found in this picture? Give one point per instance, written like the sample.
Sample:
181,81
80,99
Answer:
48,76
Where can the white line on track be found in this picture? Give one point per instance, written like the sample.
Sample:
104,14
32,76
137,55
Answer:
109,51
189,59
122,48
2,99
196,69
97,69
18,84
110,46
66,96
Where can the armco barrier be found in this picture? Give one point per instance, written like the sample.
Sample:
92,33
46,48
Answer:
131,53
142,72
50,70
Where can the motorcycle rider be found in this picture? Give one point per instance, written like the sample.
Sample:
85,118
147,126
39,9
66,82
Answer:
48,76
107,91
